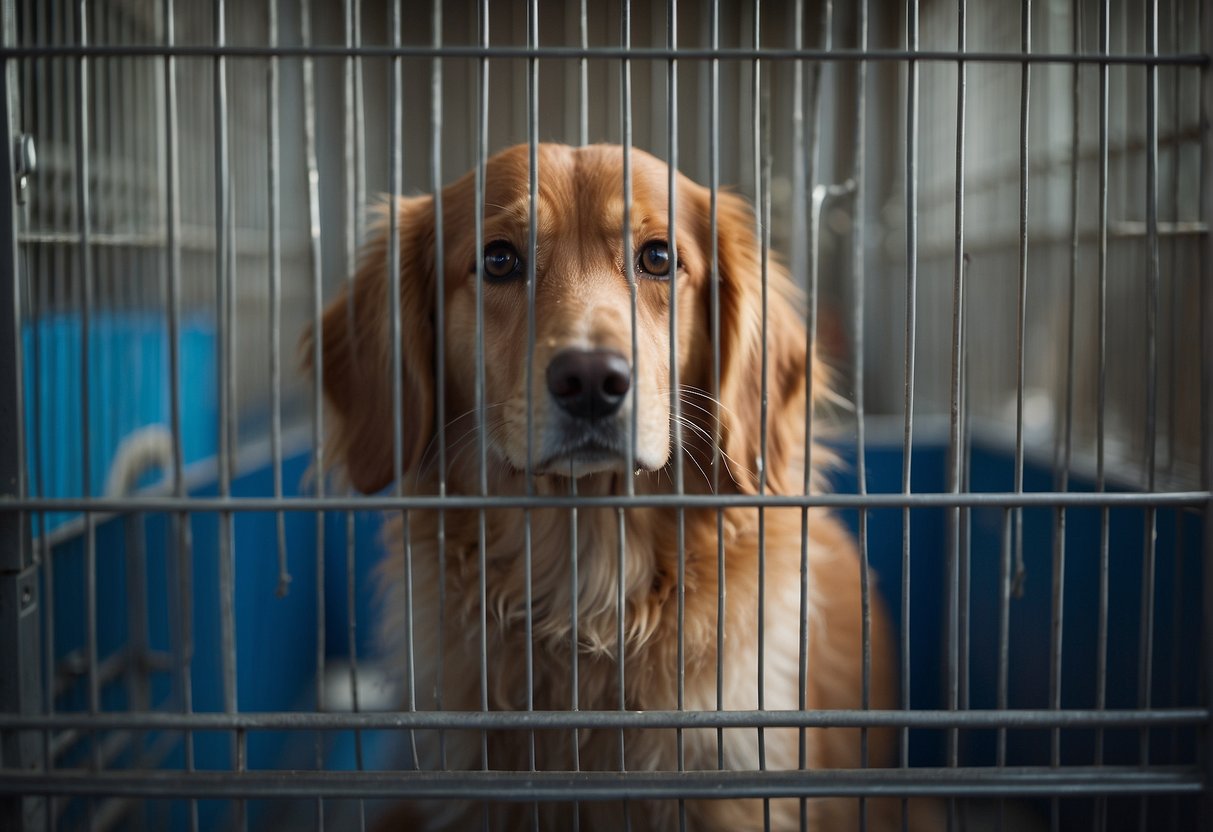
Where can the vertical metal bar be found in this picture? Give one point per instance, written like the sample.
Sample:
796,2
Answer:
1101,649
275,269
139,144
359,126
955,437
352,159
1062,465
799,150
85,266
482,141
1004,653
20,677
1205,811
1179,737
817,200
317,361
351,601
21,437
630,450
532,107
436,97
629,266
1015,585
760,197
858,240
910,333
1021,318
19,613
574,700
1175,366
675,387
181,531
36,274
103,201
46,593
394,301
583,74
714,220
1004,615
353,156
1146,632
410,673
224,286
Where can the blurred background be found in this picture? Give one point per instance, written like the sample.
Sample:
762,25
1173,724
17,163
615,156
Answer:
349,116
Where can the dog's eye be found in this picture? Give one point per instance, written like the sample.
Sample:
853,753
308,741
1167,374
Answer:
655,259
501,262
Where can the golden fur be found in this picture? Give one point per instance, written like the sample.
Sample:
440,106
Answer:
582,299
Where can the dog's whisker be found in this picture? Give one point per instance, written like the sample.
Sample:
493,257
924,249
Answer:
732,463
691,456
467,441
492,432
688,389
706,412
431,447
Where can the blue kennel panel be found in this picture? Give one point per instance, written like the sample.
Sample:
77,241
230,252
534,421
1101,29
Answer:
128,389
277,636
1177,615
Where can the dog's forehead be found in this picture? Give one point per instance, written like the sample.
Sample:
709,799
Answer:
580,189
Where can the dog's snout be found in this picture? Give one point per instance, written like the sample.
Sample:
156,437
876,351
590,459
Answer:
589,384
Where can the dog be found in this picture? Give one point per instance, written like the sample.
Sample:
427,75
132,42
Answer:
591,401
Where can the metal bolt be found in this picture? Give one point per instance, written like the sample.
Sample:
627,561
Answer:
27,164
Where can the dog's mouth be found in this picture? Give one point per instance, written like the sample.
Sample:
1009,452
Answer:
586,450
587,455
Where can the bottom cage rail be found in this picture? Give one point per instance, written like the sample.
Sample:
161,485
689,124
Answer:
1035,781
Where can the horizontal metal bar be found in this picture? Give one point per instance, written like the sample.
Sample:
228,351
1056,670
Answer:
253,453
598,52
248,241
1124,230
460,502
565,720
610,785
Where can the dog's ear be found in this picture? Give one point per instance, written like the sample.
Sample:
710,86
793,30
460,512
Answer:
357,356
741,356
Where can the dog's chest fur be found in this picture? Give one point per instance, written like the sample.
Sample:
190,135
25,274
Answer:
446,631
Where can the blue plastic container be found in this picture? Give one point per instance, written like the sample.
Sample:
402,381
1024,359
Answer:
128,389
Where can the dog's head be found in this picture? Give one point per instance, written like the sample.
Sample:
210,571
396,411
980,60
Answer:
585,383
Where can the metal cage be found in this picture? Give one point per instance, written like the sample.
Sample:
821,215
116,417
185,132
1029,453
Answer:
999,215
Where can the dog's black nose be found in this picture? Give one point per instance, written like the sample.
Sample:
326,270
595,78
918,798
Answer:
589,384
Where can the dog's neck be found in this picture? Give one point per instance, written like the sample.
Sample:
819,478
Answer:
642,540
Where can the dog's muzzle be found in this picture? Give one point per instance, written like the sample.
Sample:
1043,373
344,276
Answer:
589,388
589,384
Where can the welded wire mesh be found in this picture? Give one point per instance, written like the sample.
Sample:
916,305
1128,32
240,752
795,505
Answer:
999,218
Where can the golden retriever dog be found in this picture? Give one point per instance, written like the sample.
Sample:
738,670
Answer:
586,386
